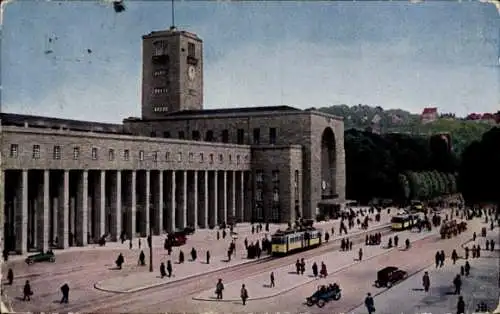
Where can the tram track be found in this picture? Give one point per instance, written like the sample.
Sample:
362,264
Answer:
192,285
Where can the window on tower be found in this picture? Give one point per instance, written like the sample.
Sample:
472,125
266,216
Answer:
160,90
191,50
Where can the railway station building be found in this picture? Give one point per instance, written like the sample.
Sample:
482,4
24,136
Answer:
69,182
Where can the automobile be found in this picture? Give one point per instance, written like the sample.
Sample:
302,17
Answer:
388,276
324,294
41,257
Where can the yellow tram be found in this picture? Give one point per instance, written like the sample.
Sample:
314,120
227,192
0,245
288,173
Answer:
294,240
402,222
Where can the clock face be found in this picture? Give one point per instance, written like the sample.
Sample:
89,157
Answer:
191,72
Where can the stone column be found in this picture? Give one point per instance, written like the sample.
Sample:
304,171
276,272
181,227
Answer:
224,203
195,199
216,203
205,196
54,217
82,209
242,196
116,206
147,204
233,195
101,207
159,204
21,215
63,217
183,220
42,214
132,207
173,202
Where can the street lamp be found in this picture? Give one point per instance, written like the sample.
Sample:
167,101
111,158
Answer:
150,242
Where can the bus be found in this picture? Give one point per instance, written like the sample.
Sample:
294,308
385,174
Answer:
403,222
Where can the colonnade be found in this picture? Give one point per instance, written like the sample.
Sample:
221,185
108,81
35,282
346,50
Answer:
61,208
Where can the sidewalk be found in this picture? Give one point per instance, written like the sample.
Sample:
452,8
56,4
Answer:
143,280
286,278
480,286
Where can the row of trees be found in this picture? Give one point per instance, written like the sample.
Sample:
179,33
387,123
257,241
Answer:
479,171
425,185
374,163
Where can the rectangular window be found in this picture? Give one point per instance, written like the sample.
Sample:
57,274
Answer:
256,136
181,135
211,158
259,195
191,157
166,134
240,137
155,156
296,184
36,151
14,150
259,176
179,157
230,158
276,195
276,176
161,72
111,154
221,158
141,155
272,136
225,136
56,154
238,159
76,153
195,135
209,137
94,153
167,156
126,155
191,50
201,157
160,90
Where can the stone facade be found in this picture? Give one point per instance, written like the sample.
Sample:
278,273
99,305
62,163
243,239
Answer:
74,181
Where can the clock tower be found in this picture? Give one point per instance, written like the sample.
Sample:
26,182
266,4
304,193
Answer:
172,73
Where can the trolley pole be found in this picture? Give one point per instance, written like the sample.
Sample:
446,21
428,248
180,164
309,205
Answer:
150,242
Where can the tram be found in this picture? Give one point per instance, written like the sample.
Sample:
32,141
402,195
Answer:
403,222
294,240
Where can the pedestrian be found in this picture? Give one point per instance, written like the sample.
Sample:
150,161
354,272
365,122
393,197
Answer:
65,293
396,240
323,272
142,259
315,269
244,294
369,303
229,252
360,254
297,266
460,305
5,254
181,257
139,243
163,272
466,252
271,285
193,254
487,245
492,245
457,282
473,251
443,257
478,251
462,270
454,256
10,276
327,237
224,233
218,235
426,281
350,245
437,258
169,268
219,287
130,244
302,266
467,269
208,257
474,236
27,292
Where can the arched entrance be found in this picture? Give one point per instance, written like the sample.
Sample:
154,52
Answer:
328,165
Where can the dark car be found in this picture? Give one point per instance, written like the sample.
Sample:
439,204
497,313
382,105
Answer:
389,276
41,257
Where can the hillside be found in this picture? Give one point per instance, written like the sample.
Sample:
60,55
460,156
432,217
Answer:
401,121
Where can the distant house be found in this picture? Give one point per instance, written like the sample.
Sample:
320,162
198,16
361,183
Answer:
429,115
489,117
474,116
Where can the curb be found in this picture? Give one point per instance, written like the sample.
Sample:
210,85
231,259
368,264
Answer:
181,279
307,282
262,260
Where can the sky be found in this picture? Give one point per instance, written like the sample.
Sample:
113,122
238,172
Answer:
304,54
